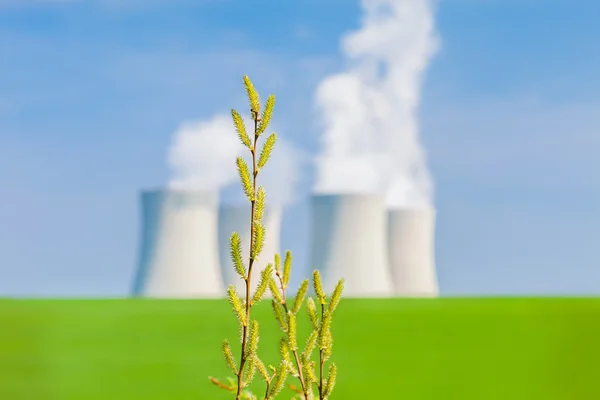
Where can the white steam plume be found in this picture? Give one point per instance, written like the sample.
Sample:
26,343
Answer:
202,157
370,141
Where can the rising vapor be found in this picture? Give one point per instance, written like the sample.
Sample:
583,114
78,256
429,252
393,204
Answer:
370,140
202,154
202,157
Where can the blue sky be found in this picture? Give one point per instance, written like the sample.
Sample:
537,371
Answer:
91,91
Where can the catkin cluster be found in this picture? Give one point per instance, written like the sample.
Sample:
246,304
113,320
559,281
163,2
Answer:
293,361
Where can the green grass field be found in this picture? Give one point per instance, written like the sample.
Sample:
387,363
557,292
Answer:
480,349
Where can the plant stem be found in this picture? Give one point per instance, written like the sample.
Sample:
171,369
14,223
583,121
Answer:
250,263
220,384
267,391
295,351
321,359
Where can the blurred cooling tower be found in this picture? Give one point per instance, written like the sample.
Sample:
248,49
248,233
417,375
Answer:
179,251
349,241
411,251
237,219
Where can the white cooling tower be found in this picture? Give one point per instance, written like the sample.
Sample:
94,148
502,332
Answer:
349,241
411,252
179,251
237,219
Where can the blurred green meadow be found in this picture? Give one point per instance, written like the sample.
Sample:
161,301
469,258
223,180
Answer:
413,349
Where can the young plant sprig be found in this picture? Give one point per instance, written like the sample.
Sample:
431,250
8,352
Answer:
249,328
305,368
286,317
309,373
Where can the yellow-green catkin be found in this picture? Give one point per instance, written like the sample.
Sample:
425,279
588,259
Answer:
277,263
259,240
278,312
267,148
311,343
336,296
266,116
259,207
253,98
237,304
324,331
275,291
244,173
300,296
309,372
312,313
235,245
292,331
250,370
318,286
261,289
228,355
330,380
282,373
240,128
284,351
287,267
253,337
260,366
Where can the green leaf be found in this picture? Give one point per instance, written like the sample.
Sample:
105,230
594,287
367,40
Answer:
232,382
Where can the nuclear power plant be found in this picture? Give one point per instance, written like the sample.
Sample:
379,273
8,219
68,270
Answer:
184,245
237,219
349,242
179,254
411,252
